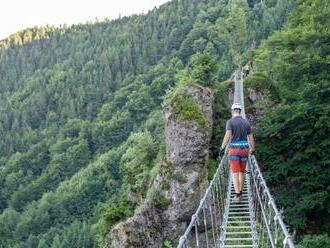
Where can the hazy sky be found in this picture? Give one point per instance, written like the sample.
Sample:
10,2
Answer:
16,15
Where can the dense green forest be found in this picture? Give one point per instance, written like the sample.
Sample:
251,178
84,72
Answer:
81,112
293,129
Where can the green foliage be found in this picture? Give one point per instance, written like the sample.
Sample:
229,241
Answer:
221,114
77,234
159,199
178,177
315,241
292,132
81,127
116,211
137,162
233,29
184,108
201,69
167,244
258,81
212,168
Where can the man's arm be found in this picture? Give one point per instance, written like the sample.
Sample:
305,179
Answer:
226,139
251,142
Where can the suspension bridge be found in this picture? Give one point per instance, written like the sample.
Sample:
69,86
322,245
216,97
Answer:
253,222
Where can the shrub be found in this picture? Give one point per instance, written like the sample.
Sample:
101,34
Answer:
315,241
185,108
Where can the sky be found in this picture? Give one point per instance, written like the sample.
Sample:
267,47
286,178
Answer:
16,15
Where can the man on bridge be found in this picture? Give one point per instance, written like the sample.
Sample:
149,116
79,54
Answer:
238,135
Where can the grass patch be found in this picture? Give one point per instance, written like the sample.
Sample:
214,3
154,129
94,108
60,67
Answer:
178,177
159,199
184,108
167,244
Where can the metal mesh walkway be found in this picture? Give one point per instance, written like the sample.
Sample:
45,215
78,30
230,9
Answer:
253,222
239,229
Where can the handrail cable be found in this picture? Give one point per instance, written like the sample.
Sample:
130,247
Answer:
254,222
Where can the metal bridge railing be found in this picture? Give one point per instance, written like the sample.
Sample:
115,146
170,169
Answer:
204,228
208,225
272,231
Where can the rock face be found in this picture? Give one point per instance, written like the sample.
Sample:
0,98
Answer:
179,184
254,96
141,230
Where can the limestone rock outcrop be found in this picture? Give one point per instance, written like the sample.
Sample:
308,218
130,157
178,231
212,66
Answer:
179,183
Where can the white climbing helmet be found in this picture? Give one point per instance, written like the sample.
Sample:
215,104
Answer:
236,106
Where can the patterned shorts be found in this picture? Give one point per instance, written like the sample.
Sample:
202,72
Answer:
238,155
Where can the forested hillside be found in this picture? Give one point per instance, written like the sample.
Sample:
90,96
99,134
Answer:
293,130
81,123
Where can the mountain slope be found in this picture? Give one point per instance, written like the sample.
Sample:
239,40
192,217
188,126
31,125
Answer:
81,124
293,128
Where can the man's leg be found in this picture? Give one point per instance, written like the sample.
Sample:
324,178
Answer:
236,182
241,181
234,166
234,161
243,160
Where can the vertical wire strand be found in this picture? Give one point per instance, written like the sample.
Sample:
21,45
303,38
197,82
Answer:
205,226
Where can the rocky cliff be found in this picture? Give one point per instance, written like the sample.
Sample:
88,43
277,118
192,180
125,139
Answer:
181,177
